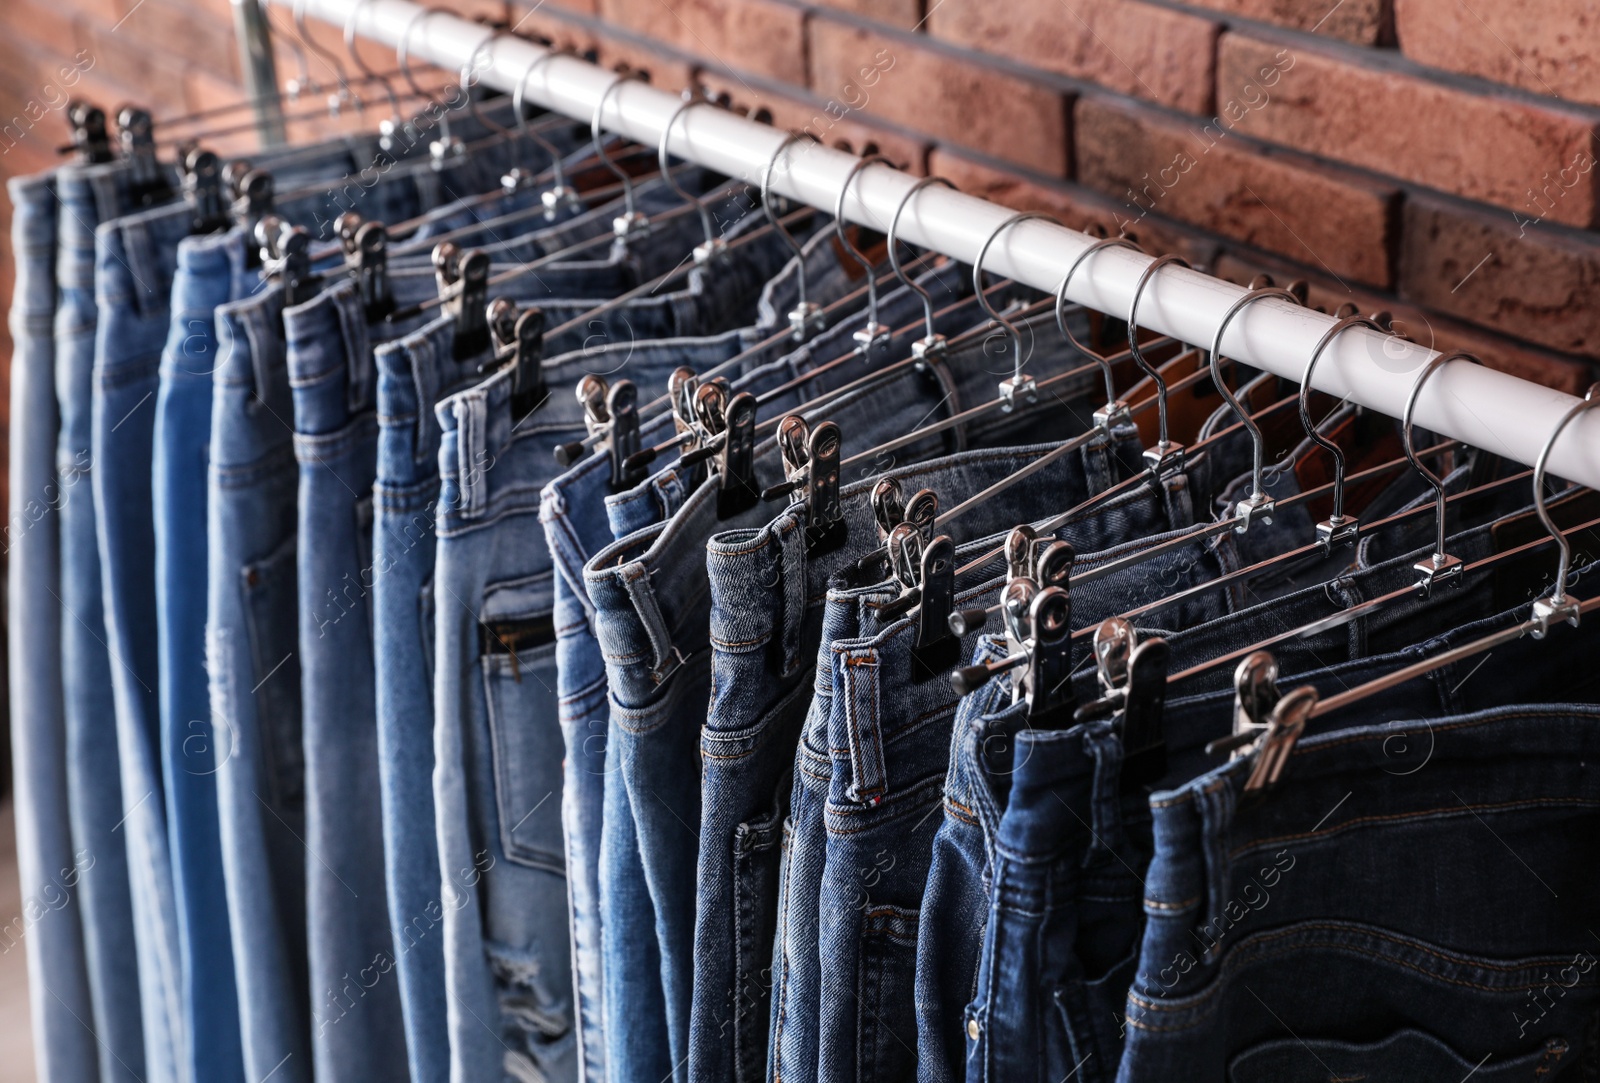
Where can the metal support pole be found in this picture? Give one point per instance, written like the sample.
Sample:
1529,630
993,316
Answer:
260,69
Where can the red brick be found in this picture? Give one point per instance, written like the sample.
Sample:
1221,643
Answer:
1144,51
858,136
1280,202
741,35
1365,22
1076,207
906,14
1533,281
552,24
1546,46
1569,374
977,106
666,72
192,37
50,27
1486,147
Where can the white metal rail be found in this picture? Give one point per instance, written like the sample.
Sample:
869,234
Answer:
1484,408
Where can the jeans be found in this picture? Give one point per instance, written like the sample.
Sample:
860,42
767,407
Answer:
89,195
48,863
1247,895
494,606
211,272
766,612
653,608
575,527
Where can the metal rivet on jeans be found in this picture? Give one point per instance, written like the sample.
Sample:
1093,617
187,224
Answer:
973,1030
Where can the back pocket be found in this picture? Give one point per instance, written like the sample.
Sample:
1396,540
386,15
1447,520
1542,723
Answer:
271,608
517,649
888,1019
1404,1056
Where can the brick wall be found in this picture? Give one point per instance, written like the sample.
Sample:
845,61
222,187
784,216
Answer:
1423,156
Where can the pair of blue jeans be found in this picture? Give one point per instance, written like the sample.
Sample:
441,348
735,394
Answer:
576,526
653,611
47,860
767,597
493,602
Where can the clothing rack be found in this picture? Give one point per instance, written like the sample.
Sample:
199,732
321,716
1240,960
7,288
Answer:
1482,407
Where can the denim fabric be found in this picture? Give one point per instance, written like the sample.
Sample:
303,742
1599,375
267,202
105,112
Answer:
576,527
211,271
490,780
47,862
653,608
89,195
766,612
253,669
1358,868
136,257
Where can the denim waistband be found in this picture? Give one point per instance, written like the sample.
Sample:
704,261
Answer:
645,575
34,237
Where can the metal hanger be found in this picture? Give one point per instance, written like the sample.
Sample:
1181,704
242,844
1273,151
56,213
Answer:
330,58
1441,567
1270,741
1016,385
366,71
444,146
1256,504
714,247
631,224
1166,457
932,342
806,318
560,196
1115,411
871,334
1338,529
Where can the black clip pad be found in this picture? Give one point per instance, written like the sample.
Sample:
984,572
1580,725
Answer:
89,138
294,266
1048,683
622,402
736,485
825,526
368,260
202,187
1144,742
472,323
936,651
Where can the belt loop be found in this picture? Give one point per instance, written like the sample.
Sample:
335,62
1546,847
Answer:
642,592
792,570
357,348
1105,804
864,733
1216,805
266,341
152,290
423,360
472,454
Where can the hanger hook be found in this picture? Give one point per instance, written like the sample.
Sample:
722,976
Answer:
932,339
466,72
560,193
305,82
403,51
1009,389
1165,454
366,69
327,57
806,315
1337,527
630,214
874,331
1440,566
713,244
1257,504
1557,605
1111,414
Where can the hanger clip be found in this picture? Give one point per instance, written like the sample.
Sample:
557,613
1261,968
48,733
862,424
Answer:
520,341
559,202
286,258
622,404
1164,459
1333,533
1015,388
1112,415
736,463
202,187
252,193
89,138
1257,507
1047,674
1440,569
367,258
1551,610
463,279
443,152
905,544
146,180
1266,725
806,319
